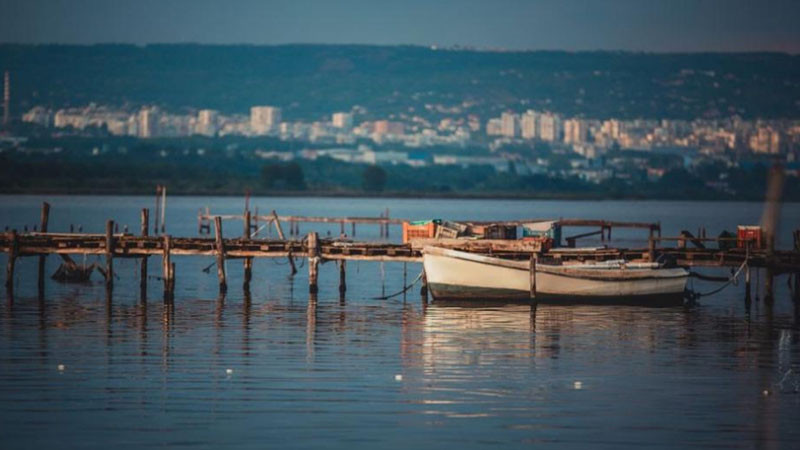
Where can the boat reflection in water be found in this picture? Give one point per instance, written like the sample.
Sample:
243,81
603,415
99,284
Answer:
528,367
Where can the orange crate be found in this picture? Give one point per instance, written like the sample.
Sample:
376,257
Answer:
418,231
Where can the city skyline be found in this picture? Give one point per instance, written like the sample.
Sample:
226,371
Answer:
655,26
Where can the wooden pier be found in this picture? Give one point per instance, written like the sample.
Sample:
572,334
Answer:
687,250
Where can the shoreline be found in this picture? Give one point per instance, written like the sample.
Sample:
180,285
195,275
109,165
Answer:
366,195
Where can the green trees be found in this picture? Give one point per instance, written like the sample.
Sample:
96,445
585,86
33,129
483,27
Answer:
373,179
288,176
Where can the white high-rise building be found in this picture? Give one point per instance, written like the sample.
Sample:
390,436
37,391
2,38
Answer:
529,125
510,124
575,131
550,127
207,122
343,120
147,123
264,119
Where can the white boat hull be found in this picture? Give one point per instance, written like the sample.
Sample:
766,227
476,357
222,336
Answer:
458,275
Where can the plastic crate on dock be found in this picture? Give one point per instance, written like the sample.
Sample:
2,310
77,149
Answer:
419,229
749,233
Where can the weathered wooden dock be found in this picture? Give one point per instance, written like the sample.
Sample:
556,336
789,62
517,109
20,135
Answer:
687,250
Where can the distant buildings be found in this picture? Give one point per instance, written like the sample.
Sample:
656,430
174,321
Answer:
550,127
575,131
343,120
388,127
148,123
207,122
264,119
766,140
509,124
529,125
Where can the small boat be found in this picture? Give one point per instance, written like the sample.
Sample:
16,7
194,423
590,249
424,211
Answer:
456,275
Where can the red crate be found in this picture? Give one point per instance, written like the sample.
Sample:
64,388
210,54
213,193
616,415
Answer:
749,233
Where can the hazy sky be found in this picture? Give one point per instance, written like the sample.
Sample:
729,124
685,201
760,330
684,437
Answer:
651,25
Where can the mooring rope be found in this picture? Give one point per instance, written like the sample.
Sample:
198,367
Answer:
405,288
692,295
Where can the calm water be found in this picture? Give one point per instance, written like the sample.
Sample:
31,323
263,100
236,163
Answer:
277,370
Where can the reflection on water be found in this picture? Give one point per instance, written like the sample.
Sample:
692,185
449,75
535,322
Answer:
275,367
246,368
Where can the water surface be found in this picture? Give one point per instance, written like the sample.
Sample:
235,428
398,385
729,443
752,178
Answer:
278,369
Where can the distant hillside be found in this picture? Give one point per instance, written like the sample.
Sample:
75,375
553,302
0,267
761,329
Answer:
309,81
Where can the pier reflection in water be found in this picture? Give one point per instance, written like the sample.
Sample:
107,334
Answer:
303,371
277,368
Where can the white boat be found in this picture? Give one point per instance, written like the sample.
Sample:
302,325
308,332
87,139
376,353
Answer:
457,275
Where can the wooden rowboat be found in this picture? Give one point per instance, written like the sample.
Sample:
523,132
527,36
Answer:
459,275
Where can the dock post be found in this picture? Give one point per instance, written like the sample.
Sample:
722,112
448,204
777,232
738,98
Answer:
313,261
353,229
223,283
158,208
163,209
769,281
342,277
145,230
651,247
533,276
45,217
386,225
109,254
423,289
248,262
405,279
747,285
12,259
166,267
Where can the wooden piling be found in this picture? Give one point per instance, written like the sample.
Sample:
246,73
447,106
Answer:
12,259
769,282
248,262
423,290
313,261
651,247
158,208
342,277
109,254
45,217
145,231
386,225
352,229
166,261
220,247
532,272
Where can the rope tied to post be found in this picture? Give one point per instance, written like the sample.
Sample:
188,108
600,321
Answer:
733,280
405,288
